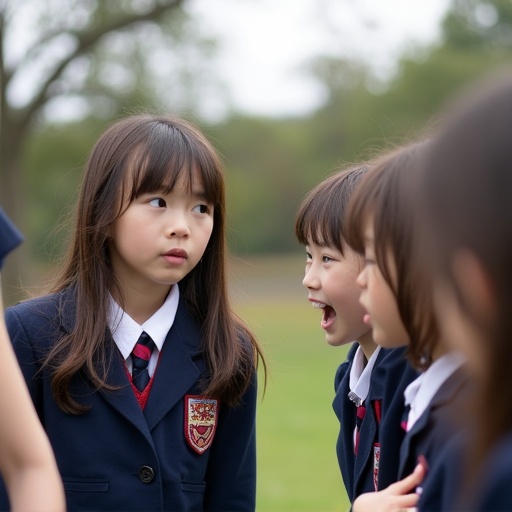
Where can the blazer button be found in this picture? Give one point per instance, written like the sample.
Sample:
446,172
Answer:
146,474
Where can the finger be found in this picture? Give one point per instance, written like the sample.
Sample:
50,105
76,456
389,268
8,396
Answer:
409,482
406,501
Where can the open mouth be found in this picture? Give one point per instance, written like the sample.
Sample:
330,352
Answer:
329,315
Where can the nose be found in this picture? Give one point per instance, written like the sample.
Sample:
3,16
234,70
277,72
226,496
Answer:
361,279
178,226
310,281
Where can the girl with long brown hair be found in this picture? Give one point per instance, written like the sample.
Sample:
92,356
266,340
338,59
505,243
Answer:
465,201
143,376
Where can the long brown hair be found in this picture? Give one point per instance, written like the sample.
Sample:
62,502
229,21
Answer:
139,154
465,196
384,195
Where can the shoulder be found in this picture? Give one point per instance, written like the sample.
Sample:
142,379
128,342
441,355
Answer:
392,356
393,365
34,313
391,374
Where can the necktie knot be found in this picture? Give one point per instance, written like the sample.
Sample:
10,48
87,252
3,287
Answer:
141,355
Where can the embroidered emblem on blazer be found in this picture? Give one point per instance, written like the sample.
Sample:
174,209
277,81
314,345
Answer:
200,421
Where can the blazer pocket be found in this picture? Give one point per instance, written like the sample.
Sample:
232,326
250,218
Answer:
85,486
193,487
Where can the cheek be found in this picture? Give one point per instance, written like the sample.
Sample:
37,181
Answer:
378,291
385,315
207,233
458,331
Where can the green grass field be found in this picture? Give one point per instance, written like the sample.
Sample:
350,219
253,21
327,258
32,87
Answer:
297,428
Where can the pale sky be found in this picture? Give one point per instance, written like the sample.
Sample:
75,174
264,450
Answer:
264,43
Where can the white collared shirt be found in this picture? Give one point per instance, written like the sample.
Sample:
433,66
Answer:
420,392
126,331
360,376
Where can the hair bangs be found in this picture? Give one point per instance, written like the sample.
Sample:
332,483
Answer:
316,224
320,218
171,153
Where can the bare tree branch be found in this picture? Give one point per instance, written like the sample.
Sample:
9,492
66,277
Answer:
86,40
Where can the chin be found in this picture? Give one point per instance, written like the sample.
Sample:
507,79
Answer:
336,342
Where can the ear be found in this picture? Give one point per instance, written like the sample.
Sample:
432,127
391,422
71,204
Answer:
475,284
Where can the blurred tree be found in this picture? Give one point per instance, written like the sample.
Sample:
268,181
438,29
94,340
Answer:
85,57
271,164
367,115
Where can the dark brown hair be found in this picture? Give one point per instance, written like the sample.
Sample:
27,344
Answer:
465,196
384,196
320,216
139,154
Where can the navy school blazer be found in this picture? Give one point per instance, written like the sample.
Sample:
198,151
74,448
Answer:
495,489
436,430
436,426
379,441
118,457
490,492
443,485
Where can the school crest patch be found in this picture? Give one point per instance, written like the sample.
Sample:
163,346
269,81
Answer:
200,421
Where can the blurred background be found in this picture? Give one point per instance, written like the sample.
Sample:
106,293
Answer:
288,91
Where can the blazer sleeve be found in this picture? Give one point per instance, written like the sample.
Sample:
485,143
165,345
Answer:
28,357
231,474
10,237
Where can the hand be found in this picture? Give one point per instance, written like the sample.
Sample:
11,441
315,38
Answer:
398,497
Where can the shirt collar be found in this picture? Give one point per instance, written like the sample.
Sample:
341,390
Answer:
420,392
126,331
360,375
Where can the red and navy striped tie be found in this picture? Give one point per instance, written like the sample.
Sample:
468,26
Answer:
141,355
360,414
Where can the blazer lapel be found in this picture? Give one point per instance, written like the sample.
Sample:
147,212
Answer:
445,394
123,398
369,425
416,429
179,368
345,410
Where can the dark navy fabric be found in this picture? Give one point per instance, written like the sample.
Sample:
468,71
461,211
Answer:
390,376
116,457
430,437
436,426
495,491
10,237
441,489
492,491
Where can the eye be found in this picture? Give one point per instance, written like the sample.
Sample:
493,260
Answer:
201,208
326,259
158,202
308,256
